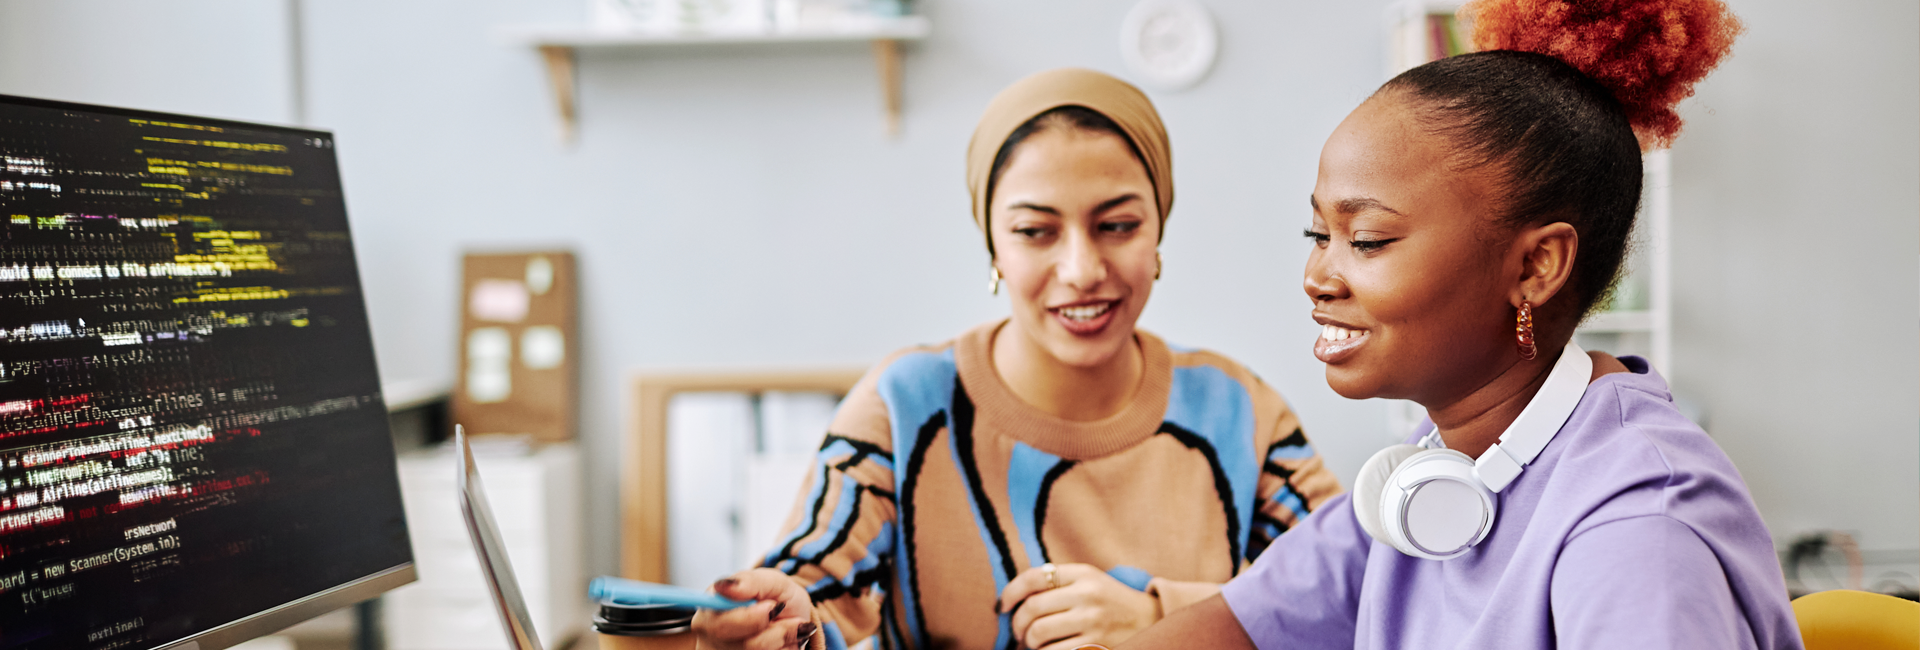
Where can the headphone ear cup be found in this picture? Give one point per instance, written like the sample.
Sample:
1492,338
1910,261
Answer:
1433,506
1371,485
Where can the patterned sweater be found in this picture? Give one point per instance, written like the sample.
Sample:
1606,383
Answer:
936,485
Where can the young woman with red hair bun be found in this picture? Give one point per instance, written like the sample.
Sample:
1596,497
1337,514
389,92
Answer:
1466,218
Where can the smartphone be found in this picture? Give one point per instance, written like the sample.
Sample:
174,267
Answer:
635,592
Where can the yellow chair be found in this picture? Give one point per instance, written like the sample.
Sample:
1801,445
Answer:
1857,620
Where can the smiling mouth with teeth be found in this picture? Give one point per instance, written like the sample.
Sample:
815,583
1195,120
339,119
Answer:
1338,333
1336,344
1085,312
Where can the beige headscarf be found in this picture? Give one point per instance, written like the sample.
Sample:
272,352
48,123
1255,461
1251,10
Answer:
1045,91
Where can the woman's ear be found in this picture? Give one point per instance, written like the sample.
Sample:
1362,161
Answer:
1546,262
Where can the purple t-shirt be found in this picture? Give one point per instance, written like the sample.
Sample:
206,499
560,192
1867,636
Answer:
1631,530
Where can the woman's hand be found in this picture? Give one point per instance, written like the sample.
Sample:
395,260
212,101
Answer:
1074,604
783,617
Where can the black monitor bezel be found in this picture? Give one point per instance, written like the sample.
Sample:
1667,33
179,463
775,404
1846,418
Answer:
134,112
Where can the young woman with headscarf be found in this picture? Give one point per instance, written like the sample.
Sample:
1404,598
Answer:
1056,478
1466,218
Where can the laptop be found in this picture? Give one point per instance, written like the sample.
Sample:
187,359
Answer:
493,554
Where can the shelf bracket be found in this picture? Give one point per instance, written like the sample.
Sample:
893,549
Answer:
886,57
560,64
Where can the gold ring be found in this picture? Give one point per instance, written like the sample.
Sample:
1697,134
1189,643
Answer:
1051,582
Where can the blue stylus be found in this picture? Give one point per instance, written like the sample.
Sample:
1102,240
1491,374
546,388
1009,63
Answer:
635,592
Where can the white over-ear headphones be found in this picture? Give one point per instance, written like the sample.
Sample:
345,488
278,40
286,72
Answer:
1435,503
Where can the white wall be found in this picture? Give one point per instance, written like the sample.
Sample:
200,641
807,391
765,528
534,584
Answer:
739,208
220,58
1797,247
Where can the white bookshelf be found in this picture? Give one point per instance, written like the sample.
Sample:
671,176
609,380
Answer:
1408,39
559,44
1642,322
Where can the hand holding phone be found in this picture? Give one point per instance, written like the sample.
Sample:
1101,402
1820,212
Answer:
781,616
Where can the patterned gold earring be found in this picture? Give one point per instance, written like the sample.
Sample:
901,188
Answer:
1157,263
993,285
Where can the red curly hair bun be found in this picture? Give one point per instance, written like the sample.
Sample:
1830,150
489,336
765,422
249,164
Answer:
1648,52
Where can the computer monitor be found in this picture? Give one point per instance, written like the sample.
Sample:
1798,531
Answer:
193,444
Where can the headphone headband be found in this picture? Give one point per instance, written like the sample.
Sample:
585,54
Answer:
1539,421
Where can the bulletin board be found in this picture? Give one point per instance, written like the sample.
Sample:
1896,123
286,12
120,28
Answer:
518,346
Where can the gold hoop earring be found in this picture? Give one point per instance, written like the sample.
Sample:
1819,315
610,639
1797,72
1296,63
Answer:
1158,262
993,285
1523,331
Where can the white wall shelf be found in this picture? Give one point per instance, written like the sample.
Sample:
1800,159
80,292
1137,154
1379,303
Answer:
558,46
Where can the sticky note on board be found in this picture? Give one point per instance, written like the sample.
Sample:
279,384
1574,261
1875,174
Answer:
503,301
489,374
543,347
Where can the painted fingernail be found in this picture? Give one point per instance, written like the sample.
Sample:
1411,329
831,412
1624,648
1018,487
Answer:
776,611
998,607
804,634
725,583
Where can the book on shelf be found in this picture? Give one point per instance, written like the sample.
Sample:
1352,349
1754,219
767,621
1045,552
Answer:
1429,35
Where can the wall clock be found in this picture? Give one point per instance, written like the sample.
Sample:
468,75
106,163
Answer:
1171,44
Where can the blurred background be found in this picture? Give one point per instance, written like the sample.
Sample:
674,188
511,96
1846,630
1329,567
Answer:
742,206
